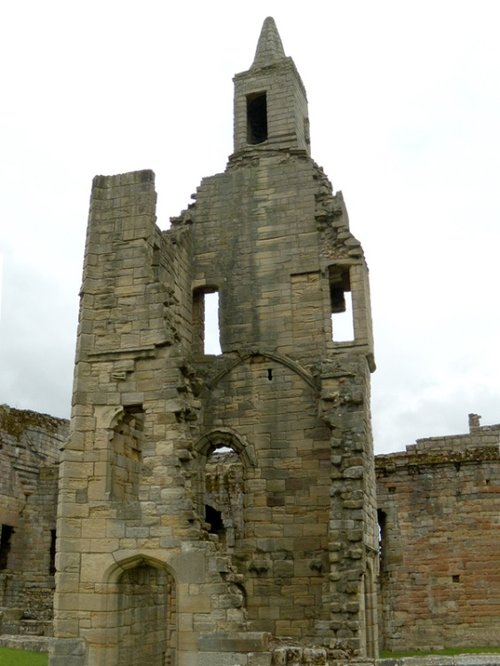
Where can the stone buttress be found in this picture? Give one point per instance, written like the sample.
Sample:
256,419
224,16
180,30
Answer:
220,509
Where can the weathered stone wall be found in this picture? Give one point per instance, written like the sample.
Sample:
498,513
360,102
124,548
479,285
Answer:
439,507
143,534
29,452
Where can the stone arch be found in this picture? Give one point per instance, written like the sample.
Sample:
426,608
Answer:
220,482
113,573
226,437
278,358
142,613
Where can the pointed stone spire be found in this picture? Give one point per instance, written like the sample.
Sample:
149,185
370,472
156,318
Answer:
270,48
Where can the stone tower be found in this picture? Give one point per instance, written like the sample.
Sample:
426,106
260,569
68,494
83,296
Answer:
215,509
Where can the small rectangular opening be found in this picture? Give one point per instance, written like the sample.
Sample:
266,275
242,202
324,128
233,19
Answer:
5,543
341,304
256,118
52,554
206,336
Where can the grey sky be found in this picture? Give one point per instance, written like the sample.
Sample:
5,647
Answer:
404,107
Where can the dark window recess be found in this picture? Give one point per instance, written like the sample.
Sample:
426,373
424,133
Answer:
5,539
455,578
270,374
214,519
340,283
257,118
52,560
156,261
382,536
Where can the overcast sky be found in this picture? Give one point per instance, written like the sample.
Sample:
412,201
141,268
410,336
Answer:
404,101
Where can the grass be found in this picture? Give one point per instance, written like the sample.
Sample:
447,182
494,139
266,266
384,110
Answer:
10,657
384,654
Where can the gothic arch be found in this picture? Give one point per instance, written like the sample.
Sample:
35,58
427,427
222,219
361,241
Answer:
219,491
142,610
278,358
113,573
226,437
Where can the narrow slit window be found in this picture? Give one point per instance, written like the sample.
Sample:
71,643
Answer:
52,554
257,118
206,336
341,304
382,537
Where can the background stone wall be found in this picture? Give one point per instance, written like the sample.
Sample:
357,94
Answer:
439,508
29,453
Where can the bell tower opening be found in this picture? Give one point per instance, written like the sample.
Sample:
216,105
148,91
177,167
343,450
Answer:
257,118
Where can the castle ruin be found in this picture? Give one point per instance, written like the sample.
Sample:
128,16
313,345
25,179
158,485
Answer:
220,509
148,568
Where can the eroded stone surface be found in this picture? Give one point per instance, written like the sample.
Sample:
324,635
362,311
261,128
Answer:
153,532
29,452
439,505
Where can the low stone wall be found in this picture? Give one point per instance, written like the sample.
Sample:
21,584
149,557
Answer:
436,660
29,643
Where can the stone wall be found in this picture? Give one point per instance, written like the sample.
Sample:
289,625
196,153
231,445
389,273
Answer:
30,446
221,568
439,507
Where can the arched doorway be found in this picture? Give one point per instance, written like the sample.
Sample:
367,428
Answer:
146,621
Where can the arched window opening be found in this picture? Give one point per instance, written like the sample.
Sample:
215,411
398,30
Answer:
223,498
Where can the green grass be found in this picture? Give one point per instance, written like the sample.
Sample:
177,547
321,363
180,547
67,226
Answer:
10,657
384,654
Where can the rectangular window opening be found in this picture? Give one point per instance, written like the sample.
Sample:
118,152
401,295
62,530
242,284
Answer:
341,304
206,335
5,543
256,118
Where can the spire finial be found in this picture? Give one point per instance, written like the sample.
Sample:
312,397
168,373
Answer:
270,47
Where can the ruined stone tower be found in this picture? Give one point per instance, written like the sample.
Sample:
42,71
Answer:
219,509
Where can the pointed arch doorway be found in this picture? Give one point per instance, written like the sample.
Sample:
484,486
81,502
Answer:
146,615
